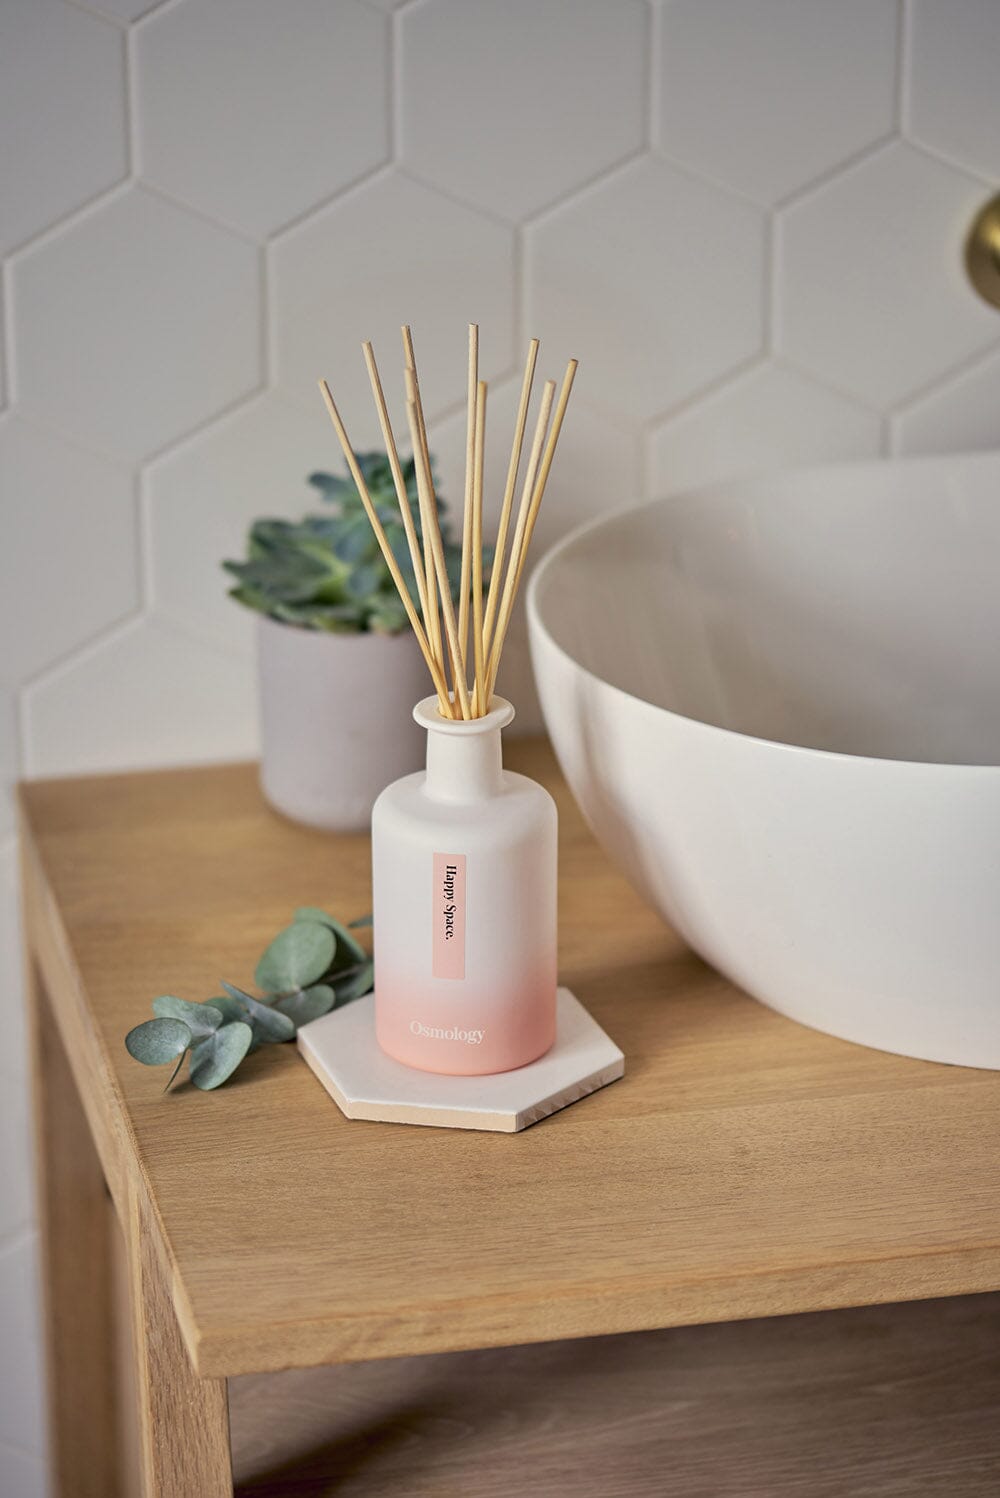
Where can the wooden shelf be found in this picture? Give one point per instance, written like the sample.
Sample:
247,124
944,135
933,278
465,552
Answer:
744,1167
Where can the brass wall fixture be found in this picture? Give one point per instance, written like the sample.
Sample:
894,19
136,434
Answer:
982,252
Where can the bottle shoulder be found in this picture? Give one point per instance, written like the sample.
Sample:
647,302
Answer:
519,802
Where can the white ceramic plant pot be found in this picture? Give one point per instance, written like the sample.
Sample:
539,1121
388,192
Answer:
335,720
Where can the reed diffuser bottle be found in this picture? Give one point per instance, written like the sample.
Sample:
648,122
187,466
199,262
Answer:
464,854
464,889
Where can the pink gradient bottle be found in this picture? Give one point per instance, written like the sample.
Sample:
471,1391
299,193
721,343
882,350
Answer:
464,874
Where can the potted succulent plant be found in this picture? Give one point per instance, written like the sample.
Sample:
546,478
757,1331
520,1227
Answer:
339,669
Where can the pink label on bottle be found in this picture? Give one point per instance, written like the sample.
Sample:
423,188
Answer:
448,915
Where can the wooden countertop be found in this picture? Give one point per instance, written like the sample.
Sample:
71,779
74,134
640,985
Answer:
744,1167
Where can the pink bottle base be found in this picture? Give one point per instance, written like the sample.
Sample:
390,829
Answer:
457,1037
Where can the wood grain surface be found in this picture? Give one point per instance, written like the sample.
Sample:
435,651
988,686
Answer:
881,1402
745,1166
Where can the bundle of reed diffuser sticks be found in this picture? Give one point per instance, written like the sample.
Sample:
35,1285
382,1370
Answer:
443,637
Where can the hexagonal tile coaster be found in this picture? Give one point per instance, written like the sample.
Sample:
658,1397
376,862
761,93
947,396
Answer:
871,290
677,303
364,1082
751,92
57,64
510,106
958,416
766,419
260,143
953,80
73,513
389,252
135,324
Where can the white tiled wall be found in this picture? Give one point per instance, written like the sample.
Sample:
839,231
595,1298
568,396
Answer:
745,218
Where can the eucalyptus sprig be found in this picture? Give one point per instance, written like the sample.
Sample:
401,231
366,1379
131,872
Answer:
308,969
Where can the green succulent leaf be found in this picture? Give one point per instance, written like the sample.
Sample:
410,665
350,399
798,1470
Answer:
297,957
230,1007
157,1041
307,1004
214,1059
201,1019
355,981
361,922
267,1024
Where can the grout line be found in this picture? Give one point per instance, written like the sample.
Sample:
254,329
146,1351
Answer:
843,168
757,360
165,196
76,215
394,85
947,377
375,174
82,650
243,399
131,106
651,74
901,90
490,214
943,158
98,15
585,188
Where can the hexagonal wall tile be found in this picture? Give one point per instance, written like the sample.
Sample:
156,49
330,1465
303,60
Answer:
203,496
22,1474
392,251
752,92
258,143
135,324
962,415
511,105
149,696
953,80
872,293
62,113
675,305
17,1196
766,419
73,570
22,1420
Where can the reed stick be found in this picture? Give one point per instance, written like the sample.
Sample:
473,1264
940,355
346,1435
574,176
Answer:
470,440
412,539
510,577
480,698
432,616
536,500
433,530
437,676
493,597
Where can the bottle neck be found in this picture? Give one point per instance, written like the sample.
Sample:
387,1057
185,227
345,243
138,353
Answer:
464,766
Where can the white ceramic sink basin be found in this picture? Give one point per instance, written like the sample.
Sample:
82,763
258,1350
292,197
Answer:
778,704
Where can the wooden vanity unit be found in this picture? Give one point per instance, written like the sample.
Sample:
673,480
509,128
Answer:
420,1286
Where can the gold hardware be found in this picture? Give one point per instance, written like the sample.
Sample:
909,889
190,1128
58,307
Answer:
982,252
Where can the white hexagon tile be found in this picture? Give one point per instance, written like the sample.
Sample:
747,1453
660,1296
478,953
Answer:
260,143
150,695
670,308
768,418
62,113
14,1063
73,571
135,324
961,415
954,60
389,252
510,106
252,463
752,92
9,760
22,1474
871,291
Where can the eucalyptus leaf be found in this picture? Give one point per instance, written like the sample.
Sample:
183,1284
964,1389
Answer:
360,923
214,1059
201,1019
354,982
157,1041
230,1007
349,949
266,1022
297,957
307,1004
